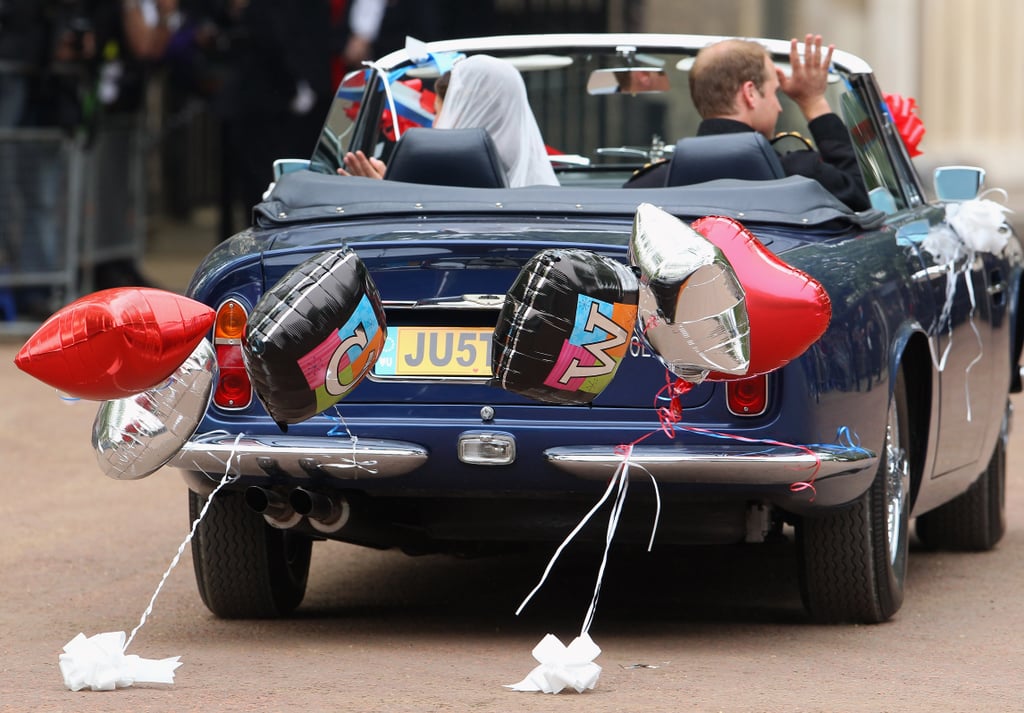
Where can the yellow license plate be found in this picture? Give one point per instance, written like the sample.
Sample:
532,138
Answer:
436,351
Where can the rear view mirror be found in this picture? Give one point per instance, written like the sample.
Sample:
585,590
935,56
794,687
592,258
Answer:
958,183
627,80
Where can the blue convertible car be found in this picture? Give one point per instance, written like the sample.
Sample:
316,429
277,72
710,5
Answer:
898,413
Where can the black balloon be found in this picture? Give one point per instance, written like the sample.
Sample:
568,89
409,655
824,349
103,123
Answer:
565,326
314,336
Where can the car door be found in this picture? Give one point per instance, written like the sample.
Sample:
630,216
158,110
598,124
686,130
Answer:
955,295
958,316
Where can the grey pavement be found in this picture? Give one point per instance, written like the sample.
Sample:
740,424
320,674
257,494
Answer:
174,248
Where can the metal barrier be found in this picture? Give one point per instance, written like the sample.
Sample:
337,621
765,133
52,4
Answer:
41,192
64,209
114,217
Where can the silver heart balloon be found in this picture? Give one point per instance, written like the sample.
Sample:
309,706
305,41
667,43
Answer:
136,435
692,310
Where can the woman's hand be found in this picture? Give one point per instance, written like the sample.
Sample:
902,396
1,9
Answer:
357,164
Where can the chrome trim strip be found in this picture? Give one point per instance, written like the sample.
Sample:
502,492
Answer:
754,464
342,458
471,301
383,378
533,43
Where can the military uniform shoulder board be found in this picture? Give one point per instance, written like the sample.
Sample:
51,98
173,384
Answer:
807,145
649,175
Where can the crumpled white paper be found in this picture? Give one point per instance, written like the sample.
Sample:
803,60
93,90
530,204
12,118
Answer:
978,225
944,245
99,663
562,666
970,227
981,223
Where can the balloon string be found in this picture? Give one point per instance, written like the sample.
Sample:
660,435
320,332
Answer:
670,417
565,543
367,465
619,484
225,479
794,487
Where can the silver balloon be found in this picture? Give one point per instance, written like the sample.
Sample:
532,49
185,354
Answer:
692,310
136,435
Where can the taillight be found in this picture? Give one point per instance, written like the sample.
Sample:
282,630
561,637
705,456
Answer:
234,390
747,397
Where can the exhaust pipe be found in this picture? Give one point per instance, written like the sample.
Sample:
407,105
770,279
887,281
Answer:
326,514
272,506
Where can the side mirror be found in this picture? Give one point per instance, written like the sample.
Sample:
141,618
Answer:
287,165
958,183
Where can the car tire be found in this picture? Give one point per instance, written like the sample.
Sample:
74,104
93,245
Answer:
853,562
974,521
246,569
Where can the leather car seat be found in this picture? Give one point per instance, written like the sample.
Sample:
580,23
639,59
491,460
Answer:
447,157
746,155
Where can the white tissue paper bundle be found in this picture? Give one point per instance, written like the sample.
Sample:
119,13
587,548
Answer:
100,664
944,245
562,666
978,225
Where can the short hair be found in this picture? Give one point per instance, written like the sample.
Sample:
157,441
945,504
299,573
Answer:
720,70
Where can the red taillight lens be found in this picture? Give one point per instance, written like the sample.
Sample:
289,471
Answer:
747,397
234,390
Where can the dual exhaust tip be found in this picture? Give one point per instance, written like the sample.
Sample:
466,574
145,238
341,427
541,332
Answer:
325,513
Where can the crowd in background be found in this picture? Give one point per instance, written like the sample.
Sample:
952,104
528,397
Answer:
264,69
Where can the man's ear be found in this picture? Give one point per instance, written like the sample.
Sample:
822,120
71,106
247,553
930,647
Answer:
748,95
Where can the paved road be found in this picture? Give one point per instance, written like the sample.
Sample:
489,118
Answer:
715,630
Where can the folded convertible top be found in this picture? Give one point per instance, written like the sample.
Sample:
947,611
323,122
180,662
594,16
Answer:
304,196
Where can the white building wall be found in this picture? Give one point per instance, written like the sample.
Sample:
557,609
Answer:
962,60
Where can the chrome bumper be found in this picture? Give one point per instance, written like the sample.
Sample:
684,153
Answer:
341,458
753,464
370,458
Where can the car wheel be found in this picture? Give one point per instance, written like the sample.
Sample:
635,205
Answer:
853,562
974,521
246,569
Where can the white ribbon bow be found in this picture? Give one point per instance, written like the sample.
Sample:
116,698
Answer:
562,666
99,663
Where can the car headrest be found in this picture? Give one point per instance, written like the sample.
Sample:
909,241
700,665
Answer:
746,155
447,157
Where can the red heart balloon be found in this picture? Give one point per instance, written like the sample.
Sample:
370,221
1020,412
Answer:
788,309
115,343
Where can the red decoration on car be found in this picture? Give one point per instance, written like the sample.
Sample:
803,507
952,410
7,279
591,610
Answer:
788,309
908,123
115,343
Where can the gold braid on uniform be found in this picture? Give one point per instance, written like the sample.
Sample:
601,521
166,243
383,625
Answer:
648,166
793,135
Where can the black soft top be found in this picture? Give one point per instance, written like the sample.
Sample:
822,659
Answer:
796,201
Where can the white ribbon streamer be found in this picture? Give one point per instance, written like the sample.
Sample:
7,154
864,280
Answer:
562,666
99,662
970,227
